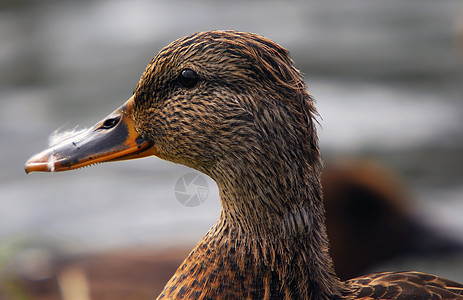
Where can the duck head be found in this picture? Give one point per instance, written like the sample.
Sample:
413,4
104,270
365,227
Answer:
205,101
229,104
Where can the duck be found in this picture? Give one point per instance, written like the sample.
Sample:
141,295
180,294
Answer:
233,106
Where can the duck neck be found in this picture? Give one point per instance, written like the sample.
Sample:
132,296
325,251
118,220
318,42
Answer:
270,240
275,215
279,206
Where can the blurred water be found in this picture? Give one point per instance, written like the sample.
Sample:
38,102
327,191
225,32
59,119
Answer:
387,76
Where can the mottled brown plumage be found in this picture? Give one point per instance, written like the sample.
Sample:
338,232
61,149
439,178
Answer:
249,124
242,115
403,285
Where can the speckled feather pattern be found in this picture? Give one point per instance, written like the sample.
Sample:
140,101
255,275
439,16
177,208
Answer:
249,123
403,285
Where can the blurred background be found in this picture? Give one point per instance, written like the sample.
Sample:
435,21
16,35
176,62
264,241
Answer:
387,77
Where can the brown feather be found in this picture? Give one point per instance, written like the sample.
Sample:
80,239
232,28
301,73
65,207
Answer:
403,285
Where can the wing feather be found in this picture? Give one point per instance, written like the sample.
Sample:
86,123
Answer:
403,286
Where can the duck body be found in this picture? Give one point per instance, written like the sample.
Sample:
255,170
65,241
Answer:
233,106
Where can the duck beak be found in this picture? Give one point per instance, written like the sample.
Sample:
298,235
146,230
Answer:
114,138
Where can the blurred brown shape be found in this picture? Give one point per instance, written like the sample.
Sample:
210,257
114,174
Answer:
370,218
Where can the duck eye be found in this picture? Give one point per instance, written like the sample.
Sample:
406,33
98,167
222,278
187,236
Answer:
188,78
110,123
